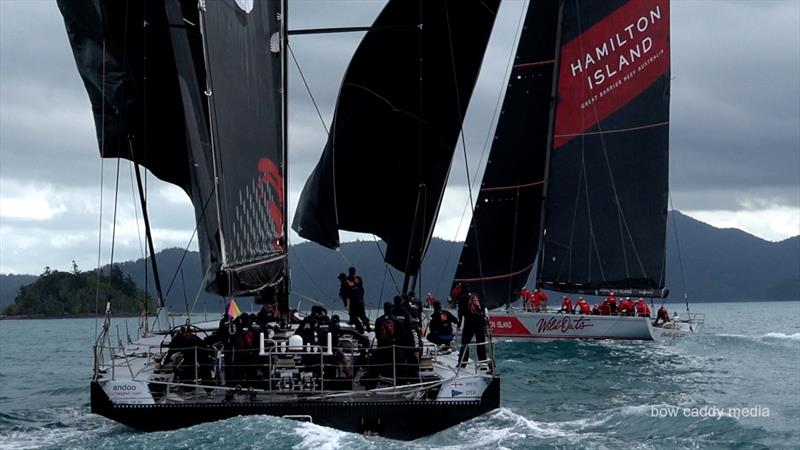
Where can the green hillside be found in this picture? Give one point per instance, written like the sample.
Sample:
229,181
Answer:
65,294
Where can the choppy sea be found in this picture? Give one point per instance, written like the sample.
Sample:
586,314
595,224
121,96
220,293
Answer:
736,385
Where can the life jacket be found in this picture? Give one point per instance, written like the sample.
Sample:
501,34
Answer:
386,331
442,325
474,306
247,340
584,307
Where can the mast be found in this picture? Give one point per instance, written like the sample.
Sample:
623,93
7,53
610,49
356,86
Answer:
148,235
284,33
550,127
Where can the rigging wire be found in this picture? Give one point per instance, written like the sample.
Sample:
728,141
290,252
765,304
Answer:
136,212
99,269
489,133
308,274
191,239
308,89
102,172
680,257
391,275
114,221
464,146
623,224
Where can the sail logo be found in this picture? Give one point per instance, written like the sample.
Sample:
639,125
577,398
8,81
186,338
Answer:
562,324
610,64
618,52
270,183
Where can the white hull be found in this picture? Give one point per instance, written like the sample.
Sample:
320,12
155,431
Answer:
521,326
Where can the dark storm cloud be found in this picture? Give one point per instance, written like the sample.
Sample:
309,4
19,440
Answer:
735,135
736,99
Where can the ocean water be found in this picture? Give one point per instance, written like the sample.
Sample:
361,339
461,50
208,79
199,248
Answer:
689,393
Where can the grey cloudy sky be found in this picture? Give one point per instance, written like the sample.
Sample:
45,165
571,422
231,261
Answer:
735,134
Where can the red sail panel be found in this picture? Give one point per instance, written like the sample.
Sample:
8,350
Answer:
610,64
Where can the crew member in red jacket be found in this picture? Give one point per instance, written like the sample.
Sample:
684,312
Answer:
566,305
662,315
626,307
429,300
526,296
539,300
582,306
642,310
611,302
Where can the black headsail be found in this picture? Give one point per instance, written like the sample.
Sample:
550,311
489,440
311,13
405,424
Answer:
503,238
198,94
135,119
396,125
605,219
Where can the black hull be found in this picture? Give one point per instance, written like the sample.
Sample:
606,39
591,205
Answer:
395,420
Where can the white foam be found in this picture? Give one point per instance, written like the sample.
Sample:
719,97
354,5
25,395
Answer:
54,437
772,335
793,337
317,437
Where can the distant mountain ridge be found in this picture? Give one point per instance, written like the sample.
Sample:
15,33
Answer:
719,265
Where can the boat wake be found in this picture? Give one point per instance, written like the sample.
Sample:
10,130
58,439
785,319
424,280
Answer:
772,338
793,337
503,428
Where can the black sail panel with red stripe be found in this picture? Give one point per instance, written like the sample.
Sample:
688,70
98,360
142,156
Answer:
396,125
502,241
243,84
607,188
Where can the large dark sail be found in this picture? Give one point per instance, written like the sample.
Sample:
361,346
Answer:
607,185
129,73
395,127
243,84
503,238
197,94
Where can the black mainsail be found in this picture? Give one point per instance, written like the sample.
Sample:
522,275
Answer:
607,187
503,238
196,97
395,127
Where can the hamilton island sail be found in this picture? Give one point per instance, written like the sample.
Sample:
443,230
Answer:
577,177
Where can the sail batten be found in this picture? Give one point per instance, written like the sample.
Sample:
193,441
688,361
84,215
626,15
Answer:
396,125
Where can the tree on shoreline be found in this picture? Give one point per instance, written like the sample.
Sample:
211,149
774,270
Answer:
62,294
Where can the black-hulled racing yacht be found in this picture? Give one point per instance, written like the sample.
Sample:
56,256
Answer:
196,92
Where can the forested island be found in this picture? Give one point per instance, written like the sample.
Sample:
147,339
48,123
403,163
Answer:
68,294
